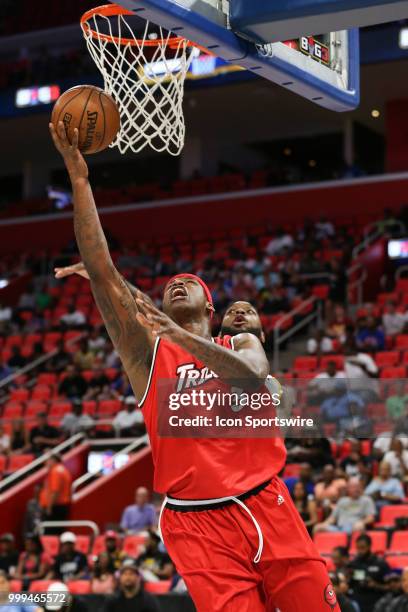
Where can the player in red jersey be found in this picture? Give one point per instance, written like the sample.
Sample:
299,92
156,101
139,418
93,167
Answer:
228,523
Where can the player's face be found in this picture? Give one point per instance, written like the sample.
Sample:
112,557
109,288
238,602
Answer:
183,295
241,317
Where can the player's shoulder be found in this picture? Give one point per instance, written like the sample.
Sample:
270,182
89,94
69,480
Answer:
245,339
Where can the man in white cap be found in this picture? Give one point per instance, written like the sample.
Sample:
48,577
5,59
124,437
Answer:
70,564
129,421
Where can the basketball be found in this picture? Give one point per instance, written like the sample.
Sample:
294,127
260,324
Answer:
93,112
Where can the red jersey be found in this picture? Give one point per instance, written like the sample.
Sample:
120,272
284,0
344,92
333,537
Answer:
202,468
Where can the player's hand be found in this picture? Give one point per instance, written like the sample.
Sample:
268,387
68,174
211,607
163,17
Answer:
74,161
77,268
160,325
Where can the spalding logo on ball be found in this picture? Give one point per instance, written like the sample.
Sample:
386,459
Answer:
330,596
93,111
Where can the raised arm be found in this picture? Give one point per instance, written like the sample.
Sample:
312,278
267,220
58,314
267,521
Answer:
116,304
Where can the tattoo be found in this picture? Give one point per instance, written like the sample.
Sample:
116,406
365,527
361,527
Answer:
112,294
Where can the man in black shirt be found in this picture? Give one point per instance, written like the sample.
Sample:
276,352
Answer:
367,572
131,596
8,554
154,563
61,358
74,385
43,436
70,564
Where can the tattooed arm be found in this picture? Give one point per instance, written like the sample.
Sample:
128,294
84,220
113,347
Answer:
116,304
247,362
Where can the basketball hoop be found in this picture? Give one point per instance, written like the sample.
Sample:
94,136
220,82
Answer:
145,75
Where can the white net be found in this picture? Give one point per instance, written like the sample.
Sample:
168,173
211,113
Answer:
146,80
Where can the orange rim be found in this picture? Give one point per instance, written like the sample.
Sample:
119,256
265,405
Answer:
111,10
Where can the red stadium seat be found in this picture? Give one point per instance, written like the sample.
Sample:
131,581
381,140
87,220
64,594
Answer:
132,544
47,378
40,586
58,409
17,462
109,407
338,359
325,542
387,358
321,291
19,395
82,543
399,543
292,469
3,461
89,407
41,392
402,285
79,587
397,561
15,586
401,341
12,410
379,542
163,586
393,372
34,407
50,544
382,298
98,545
388,514
304,364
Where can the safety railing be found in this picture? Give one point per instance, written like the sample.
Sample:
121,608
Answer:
39,462
68,525
278,338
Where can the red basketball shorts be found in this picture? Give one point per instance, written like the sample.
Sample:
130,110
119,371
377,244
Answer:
214,550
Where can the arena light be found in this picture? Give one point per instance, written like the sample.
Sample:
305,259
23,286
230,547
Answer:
35,96
403,38
3,283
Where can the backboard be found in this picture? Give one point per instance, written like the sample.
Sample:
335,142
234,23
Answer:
322,68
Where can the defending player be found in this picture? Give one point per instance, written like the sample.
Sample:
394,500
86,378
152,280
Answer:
229,523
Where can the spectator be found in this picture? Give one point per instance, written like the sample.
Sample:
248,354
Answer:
96,341
319,343
98,385
129,421
397,457
70,564
75,421
61,359
8,554
16,360
121,387
401,603
305,477
141,515
393,584
5,371
112,548
356,424
33,513
43,299
341,558
74,385
131,596
5,316
396,404
282,240
4,441
154,565
305,505
393,321
340,586
337,326
33,562
361,373
370,337
73,318
55,496
327,383
337,406
103,580
354,512
43,436
356,464
385,489
314,450
109,356
20,442
324,228
367,573
330,488
5,590
84,358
